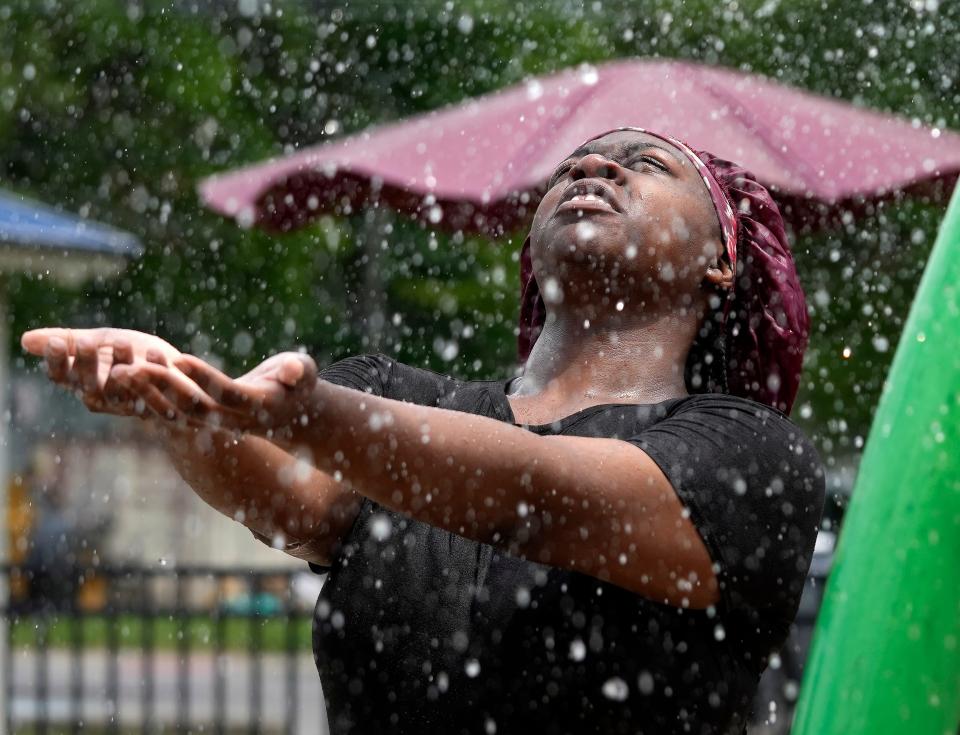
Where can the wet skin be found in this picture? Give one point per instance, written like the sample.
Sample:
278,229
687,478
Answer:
654,232
626,280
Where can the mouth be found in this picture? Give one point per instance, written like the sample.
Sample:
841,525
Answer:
591,194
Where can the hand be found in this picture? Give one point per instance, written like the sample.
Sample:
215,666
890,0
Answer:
272,399
81,360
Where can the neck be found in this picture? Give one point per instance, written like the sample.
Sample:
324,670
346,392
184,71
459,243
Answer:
609,357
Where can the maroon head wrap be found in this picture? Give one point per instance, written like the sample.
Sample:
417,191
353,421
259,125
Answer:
765,322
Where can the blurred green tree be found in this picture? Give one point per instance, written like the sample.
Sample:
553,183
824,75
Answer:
116,110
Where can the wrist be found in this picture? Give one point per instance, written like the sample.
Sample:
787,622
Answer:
206,441
313,412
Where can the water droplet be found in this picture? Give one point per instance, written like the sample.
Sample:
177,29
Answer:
585,231
881,343
645,682
534,90
578,651
380,527
465,23
616,689
552,292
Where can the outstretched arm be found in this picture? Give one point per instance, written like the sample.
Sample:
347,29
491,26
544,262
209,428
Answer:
599,506
283,500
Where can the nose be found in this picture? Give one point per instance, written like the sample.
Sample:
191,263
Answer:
596,166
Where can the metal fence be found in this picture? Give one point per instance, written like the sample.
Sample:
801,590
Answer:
125,649
133,649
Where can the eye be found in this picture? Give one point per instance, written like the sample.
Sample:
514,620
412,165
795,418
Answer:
655,162
561,170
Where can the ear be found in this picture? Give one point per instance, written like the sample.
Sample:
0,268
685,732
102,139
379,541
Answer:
720,275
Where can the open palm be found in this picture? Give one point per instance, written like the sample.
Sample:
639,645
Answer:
272,397
81,360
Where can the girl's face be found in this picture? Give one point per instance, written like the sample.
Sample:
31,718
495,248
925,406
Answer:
627,214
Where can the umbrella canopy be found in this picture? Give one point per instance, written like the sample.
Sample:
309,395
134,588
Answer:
481,165
36,237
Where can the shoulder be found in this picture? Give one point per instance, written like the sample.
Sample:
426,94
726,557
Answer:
741,420
369,373
754,485
715,438
386,376
726,407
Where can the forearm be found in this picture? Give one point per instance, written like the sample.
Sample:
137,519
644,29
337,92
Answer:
255,482
600,505
454,470
596,505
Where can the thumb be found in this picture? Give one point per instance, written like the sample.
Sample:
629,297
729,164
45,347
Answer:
297,371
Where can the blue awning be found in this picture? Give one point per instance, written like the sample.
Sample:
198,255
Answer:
28,224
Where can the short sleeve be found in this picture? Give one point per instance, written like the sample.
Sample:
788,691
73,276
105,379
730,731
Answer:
367,373
754,487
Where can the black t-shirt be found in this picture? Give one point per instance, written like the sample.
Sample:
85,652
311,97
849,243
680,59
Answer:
419,630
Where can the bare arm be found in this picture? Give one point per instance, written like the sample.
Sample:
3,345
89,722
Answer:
283,500
599,506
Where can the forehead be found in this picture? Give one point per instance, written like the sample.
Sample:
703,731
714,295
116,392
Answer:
623,141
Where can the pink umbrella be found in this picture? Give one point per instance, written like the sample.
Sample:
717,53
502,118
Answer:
481,165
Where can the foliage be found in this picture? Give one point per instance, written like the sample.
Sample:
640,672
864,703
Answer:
117,109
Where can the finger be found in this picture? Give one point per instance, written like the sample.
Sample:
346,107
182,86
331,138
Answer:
185,395
122,351
85,364
155,401
156,356
290,372
219,386
297,370
95,403
118,399
146,398
171,396
57,359
35,341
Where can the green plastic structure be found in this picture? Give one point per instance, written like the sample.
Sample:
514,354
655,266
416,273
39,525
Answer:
886,652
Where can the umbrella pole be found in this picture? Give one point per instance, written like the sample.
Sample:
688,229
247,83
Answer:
369,316
886,651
